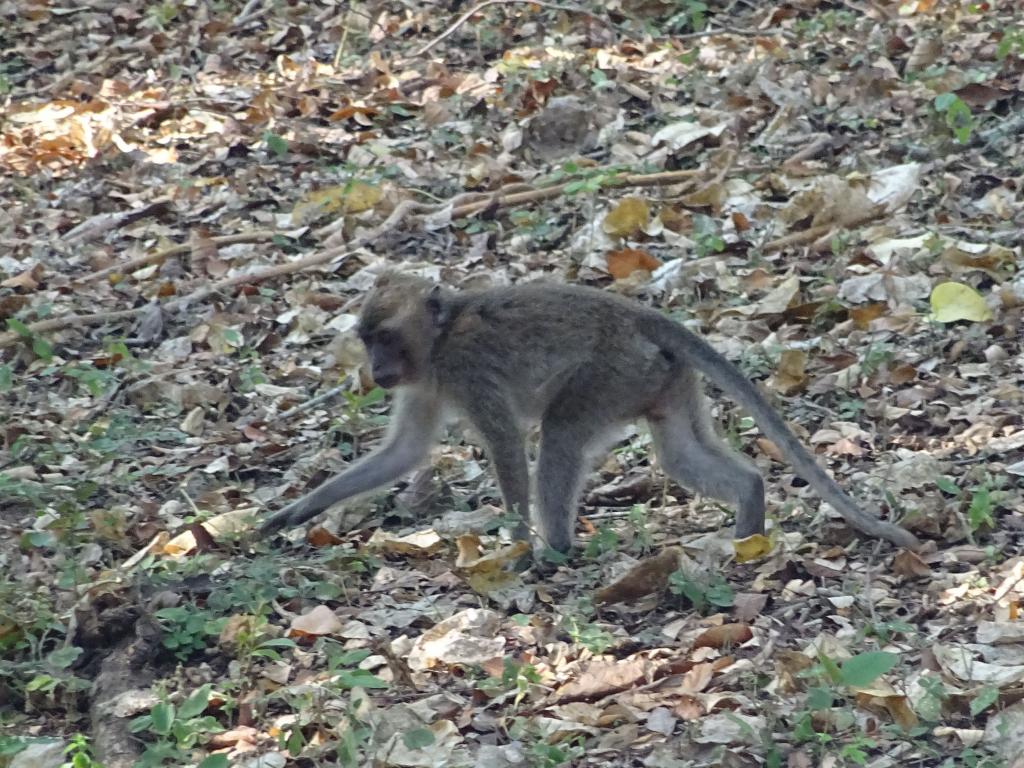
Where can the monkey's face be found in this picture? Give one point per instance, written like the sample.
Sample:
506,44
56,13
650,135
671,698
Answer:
398,326
390,361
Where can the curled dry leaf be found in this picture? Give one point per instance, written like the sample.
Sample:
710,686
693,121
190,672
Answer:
627,218
751,548
624,262
724,636
910,565
317,622
419,544
647,577
468,637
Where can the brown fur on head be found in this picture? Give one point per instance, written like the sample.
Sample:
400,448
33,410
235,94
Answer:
401,318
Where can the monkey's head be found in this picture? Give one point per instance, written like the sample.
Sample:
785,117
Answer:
401,318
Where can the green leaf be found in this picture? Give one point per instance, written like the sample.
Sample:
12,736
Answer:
351,678
19,328
865,668
42,348
945,100
830,667
947,485
214,761
986,697
162,716
720,595
418,738
64,657
195,705
819,697
276,144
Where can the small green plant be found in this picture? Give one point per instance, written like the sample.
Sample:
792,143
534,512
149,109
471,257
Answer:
79,753
39,346
957,116
278,145
979,511
356,418
514,677
1012,42
177,730
589,635
639,517
342,662
554,755
981,506
186,628
877,355
707,235
702,593
603,541
159,15
543,754
692,14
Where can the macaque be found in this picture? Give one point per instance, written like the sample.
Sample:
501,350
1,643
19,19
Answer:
579,362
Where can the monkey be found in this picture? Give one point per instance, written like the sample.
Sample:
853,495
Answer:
578,361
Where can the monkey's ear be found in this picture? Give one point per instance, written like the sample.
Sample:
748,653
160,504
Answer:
437,305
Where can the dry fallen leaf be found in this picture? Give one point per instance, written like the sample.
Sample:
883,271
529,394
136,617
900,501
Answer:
723,636
647,577
623,263
627,218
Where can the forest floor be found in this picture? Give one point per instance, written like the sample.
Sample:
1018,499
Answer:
195,197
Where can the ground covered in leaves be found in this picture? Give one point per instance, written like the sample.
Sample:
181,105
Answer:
194,198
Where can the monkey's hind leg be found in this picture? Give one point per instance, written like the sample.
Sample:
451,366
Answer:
692,454
568,440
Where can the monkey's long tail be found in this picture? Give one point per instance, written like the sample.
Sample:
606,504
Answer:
689,347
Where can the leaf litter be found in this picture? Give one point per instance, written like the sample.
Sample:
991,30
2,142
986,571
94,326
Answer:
196,196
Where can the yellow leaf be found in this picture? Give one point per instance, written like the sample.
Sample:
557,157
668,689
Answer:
956,301
751,547
354,197
627,218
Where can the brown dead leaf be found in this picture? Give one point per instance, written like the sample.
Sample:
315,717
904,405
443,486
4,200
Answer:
885,700
316,623
863,315
320,537
647,577
624,262
601,678
790,376
25,281
747,606
726,635
688,708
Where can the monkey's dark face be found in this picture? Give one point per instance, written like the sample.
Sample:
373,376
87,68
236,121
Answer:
390,361
398,326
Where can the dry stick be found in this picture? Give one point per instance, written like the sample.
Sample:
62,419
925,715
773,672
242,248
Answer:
255,236
805,236
401,211
57,323
315,401
547,193
480,6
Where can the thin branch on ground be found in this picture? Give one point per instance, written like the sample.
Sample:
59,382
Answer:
454,26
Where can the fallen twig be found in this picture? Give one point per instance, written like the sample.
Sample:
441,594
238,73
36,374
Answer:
453,27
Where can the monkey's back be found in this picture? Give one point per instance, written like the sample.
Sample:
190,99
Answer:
539,342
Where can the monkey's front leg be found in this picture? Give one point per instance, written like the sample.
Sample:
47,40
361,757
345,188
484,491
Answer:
505,443
414,427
